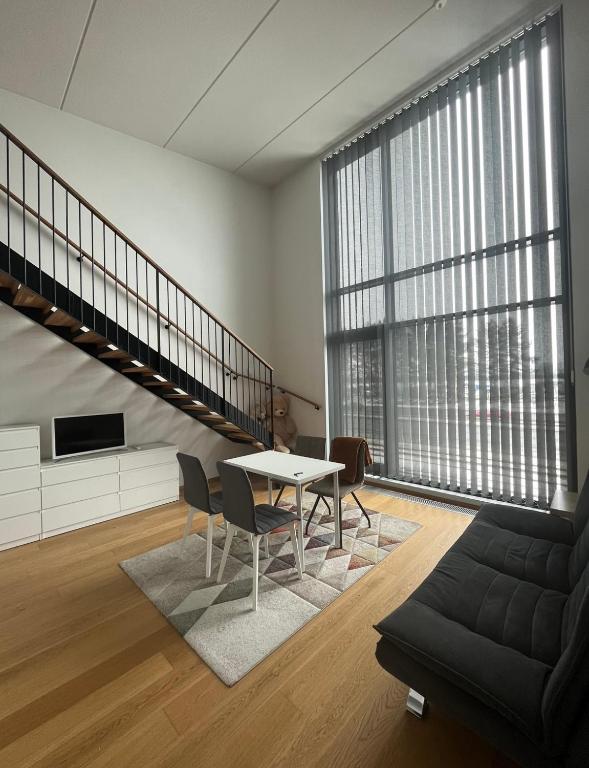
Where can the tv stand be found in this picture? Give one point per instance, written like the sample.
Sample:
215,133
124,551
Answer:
83,490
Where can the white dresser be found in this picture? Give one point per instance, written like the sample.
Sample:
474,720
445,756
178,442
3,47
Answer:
20,497
85,490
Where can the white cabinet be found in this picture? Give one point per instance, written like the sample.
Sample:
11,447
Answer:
20,480
81,491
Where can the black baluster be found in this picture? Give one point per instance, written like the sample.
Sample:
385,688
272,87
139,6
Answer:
127,292
137,300
80,257
8,201
24,202
104,275
92,269
67,251
114,238
157,307
53,237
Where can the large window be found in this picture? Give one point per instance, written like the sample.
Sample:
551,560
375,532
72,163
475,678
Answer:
447,281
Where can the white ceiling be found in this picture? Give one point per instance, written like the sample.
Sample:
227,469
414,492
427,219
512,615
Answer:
253,86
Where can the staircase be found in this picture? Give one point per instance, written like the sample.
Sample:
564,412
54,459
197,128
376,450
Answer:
67,267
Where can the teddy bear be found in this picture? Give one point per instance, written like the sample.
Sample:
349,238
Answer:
285,429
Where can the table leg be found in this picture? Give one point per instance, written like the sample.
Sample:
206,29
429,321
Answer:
301,525
337,511
269,491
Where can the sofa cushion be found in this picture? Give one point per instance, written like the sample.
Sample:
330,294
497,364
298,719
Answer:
500,677
538,560
518,614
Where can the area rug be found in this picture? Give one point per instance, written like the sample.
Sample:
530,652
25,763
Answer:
217,621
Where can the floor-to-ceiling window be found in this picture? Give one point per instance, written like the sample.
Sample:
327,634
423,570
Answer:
447,280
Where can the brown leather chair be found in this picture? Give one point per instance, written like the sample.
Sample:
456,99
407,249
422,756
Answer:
324,488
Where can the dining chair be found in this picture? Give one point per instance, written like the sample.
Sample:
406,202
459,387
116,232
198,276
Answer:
198,497
309,446
241,513
324,488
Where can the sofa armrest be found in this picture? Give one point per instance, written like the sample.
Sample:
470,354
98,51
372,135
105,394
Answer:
501,678
528,522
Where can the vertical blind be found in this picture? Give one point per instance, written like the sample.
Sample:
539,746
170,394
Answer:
447,280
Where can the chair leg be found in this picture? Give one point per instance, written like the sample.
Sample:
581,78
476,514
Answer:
324,500
267,545
416,703
210,531
362,508
226,548
295,548
280,492
311,516
188,526
256,545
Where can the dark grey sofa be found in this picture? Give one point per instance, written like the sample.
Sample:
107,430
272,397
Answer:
498,634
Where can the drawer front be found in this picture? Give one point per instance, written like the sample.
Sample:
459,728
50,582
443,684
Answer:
138,459
149,495
79,512
78,490
137,478
23,527
13,480
13,439
79,470
22,457
21,503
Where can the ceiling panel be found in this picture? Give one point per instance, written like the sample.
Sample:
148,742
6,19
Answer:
422,52
145,63
303,49
38,43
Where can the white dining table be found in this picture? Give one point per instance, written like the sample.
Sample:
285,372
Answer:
298,471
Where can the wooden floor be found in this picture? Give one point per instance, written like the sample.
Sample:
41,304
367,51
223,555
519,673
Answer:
92,675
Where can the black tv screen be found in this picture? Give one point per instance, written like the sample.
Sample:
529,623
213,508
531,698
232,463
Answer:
73,435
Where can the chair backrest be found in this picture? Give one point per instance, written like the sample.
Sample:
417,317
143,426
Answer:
196,487
238,497
310,446
337,454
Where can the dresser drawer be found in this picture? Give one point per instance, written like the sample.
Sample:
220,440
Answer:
22,457
20,503
14,529
78,470
149,495
24,437
137,478
70,515
12,480
147,458
78,490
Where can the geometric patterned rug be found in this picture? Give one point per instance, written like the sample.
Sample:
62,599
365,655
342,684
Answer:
216,620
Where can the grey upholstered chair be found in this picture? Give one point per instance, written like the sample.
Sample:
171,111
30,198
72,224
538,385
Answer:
324,489
309,446
241,513
198,496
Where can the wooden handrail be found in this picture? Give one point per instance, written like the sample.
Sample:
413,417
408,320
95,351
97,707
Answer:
316,406
23,147
113,277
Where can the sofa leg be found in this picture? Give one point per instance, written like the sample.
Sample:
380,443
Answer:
415,703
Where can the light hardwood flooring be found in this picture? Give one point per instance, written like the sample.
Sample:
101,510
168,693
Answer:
92,675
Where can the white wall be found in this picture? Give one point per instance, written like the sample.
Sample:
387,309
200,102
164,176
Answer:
298,348
206,227
576,52
297,353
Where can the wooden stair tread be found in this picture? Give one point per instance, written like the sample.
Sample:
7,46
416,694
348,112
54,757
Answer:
195,407
227,428
114,354
61,319
89,337
138,369
243,437
212,418
158,384
24,297
178,396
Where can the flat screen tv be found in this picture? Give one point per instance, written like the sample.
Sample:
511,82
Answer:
75,435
